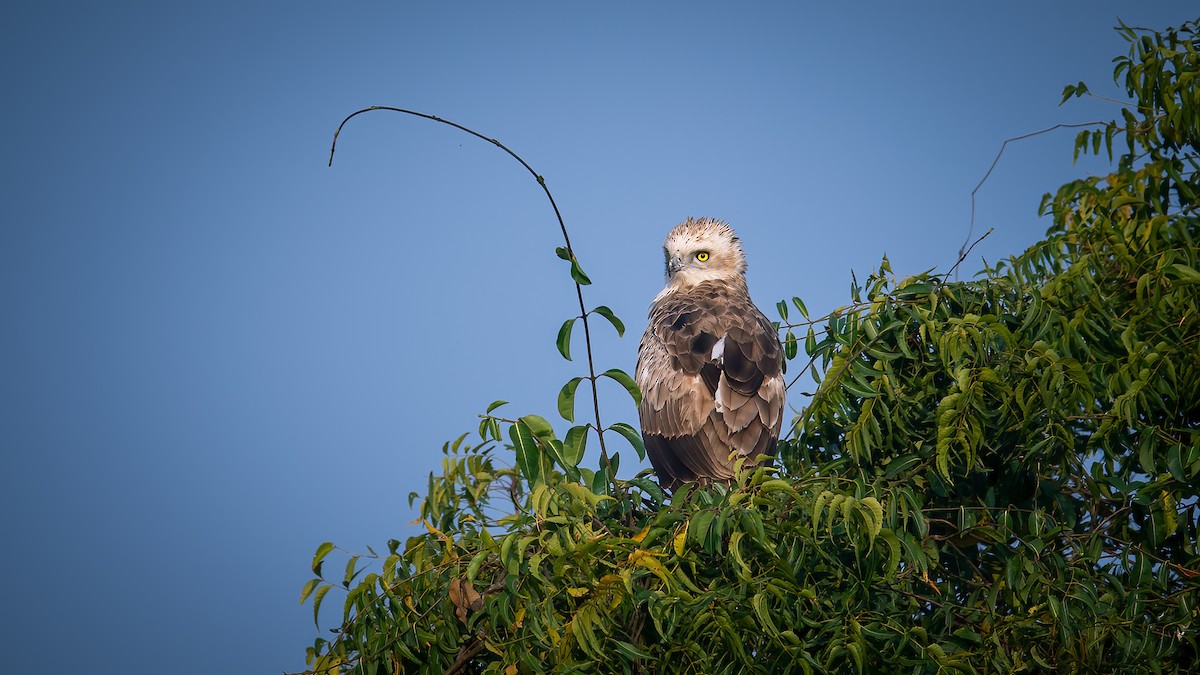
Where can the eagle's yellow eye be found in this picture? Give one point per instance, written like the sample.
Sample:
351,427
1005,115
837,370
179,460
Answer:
702,256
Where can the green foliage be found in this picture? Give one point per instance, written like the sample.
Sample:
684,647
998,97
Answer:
998,475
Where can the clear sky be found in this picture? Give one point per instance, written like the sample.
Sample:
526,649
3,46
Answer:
216,352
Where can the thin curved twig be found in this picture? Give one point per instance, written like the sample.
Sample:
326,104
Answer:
962,251
962,254
587,333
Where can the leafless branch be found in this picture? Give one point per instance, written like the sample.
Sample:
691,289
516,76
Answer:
962,251
587,333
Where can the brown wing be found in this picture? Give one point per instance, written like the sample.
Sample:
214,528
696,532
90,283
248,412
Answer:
709,368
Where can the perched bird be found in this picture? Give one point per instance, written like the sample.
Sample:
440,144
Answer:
710,365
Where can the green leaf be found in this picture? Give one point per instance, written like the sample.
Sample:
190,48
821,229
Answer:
900,464
648,486
631,651
858,388
389,567
308,588
783,310
698,525
800,306
875,509
317,598
563,342
538,425
322,551
599,482
893,561
351,572
633,436
1183,273
528,456
1146,458
913,289
562,252
759,604
578,275
351,598
512,564
625,381
1175,463
553,448
476,562
612,318
819,508
790,346
574,445
494,405
566,399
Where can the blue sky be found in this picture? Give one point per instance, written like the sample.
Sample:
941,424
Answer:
217,352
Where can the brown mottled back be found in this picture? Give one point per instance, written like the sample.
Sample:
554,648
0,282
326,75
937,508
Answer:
709,364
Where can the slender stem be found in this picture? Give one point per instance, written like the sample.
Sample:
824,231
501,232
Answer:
1127,104
562,226
962,251
587,339
468,652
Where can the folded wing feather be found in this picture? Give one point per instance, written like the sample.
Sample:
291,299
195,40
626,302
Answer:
710,370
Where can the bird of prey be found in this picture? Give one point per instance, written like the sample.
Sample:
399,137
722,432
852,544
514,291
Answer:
710,365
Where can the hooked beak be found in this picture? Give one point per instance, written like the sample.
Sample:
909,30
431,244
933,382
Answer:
674,265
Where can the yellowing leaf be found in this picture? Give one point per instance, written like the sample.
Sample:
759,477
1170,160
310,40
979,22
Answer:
646,559
520,618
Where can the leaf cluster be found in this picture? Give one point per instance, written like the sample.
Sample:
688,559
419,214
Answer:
996,475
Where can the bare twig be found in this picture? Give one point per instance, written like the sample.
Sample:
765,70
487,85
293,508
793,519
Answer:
1127,104
583,312
962,251
803,370
962,254
468,652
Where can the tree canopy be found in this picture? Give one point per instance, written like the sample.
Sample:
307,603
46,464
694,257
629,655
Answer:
993,475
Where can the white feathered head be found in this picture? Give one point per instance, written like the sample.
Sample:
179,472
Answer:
703,249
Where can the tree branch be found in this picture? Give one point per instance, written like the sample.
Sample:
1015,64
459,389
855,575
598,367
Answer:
587,333
963,250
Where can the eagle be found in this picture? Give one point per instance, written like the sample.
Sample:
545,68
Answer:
710,365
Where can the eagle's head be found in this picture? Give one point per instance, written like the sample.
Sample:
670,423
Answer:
703,249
